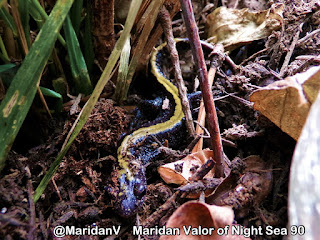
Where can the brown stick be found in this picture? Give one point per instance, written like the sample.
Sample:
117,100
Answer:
102,29
202,171
202,114
212,120
289,53
17,20
32,209
167,29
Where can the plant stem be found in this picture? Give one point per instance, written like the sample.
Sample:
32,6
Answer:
212,120
165,20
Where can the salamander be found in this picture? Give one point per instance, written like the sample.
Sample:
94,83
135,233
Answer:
131,172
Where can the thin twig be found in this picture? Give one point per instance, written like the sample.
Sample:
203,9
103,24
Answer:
234,66
242,100
201,185
202,129
43,100
171,45
42,226
253,56
193,143
212,120
202,114
289,53
56,187
17,20
308,57
218,57
305,38
202,171
308,60
24,45
32,220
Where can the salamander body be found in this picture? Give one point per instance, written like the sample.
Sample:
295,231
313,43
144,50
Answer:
131,174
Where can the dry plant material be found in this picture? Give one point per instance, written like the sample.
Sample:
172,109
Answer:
195,188
171,45
154,7
198,220
180,171
233,27
17,20
102,29
218,58
249,182
173,6
286,61
202,171
287,102
239,132
197,170
197,53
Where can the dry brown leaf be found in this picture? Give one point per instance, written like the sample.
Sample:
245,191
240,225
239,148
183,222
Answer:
198,220
287,102
233,27
180,171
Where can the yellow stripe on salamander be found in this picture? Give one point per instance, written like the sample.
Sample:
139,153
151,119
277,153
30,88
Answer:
124,149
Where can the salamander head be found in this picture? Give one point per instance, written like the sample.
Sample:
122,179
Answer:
131,193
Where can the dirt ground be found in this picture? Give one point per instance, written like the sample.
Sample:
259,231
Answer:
78,194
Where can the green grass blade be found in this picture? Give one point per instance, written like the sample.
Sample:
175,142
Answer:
6,67
7,74
86,111
79,69
25,17
50,93
76,15
19,97
35,14
8,19
37,7
4,51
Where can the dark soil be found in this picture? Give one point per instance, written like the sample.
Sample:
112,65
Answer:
77,194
